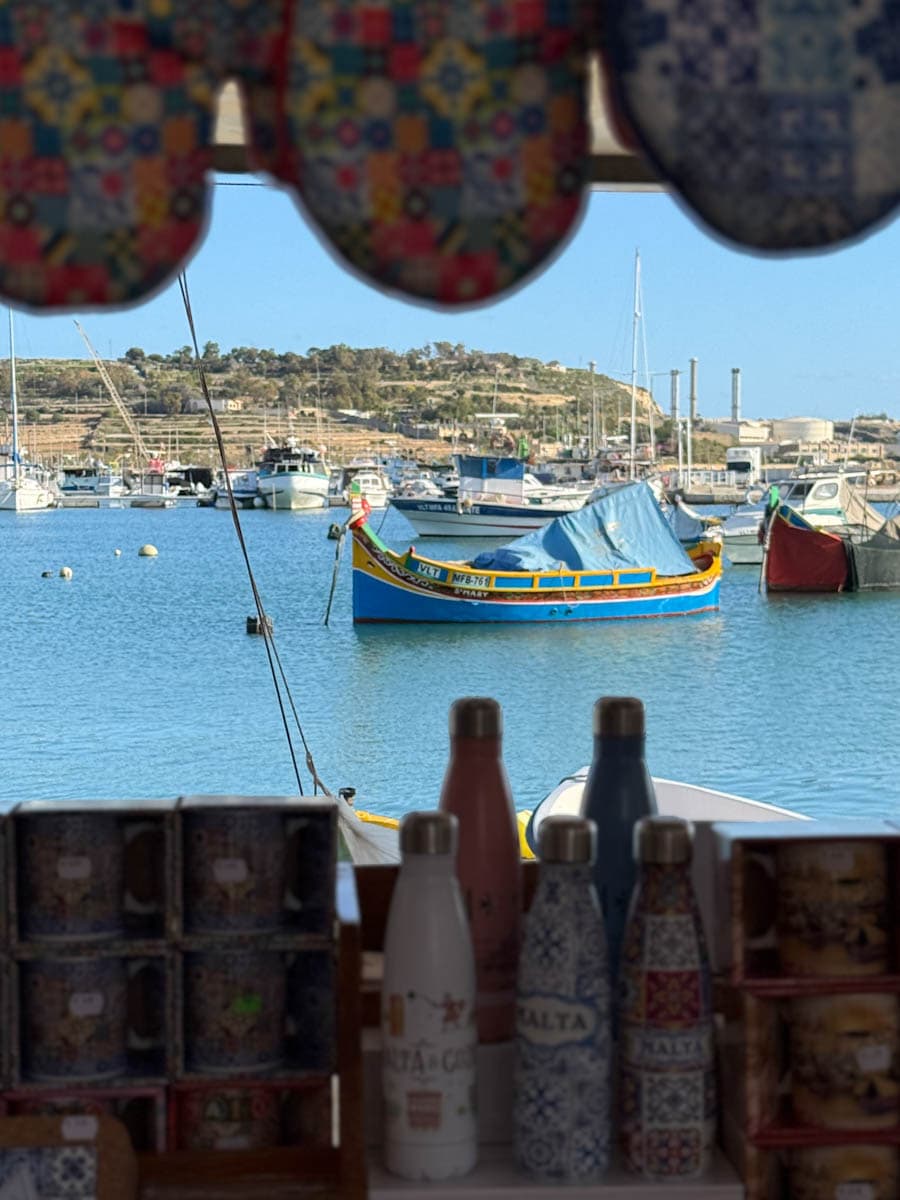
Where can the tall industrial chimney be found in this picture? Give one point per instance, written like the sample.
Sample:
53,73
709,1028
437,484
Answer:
675,375
736,394
693,390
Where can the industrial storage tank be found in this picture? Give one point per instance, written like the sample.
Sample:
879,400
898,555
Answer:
803,429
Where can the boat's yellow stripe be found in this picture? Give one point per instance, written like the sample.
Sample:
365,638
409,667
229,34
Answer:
522,819
530,581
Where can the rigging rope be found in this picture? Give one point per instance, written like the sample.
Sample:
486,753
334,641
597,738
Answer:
275,665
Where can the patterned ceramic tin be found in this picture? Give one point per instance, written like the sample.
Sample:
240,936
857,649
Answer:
832,907
230,1118
233,870
73,1018
845,1060
234,1011
855,1172
311,1004
70,868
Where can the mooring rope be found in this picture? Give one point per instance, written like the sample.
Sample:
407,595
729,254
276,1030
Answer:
276,667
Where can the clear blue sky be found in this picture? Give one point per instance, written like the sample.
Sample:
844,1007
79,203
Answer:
813,334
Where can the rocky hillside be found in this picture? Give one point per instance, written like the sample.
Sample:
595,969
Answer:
423,401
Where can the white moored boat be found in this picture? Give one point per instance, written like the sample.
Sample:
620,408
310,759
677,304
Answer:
497,497
293,477
19,491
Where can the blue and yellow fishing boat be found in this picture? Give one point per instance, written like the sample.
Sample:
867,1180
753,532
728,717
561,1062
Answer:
616,558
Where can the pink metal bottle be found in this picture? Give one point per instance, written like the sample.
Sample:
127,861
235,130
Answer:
476,791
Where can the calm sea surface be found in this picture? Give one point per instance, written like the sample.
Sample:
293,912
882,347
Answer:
136,678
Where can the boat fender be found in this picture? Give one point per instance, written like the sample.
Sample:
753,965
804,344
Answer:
754,495
65,572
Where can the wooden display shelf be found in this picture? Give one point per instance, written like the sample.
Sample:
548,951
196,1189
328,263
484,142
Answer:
495,1177
782,988
289,1172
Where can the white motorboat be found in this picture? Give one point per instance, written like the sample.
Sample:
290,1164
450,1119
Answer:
293,477
93,479
22,493
244,488
833,501
373,838
675,799
372,483
497,498
20,490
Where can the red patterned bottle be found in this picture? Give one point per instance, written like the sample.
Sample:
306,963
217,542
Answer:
476,791
667,1088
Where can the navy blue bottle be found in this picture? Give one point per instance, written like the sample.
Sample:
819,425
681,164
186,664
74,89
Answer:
617,794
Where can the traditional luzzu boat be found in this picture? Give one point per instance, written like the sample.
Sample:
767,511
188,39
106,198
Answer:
616,558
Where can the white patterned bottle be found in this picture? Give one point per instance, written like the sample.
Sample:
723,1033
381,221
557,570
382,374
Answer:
667,1088
429,1037
563,1039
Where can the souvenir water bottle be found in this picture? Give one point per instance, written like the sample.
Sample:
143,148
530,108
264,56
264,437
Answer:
429,1039
563,1042
618,792
476,790
667,1088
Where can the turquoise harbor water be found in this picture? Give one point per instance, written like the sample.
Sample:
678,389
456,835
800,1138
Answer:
137,678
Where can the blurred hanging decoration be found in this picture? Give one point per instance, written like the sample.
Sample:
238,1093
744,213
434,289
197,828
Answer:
778,121
439,146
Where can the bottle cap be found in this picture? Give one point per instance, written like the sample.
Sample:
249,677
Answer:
618,716
476,717
567,840
663,840
429,833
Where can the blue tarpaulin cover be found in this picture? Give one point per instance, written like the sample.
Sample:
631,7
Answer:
625,528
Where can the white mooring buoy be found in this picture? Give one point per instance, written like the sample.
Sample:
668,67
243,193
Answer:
117,552
148,551
65,572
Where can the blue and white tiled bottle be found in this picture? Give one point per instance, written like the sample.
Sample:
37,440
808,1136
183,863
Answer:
563,1043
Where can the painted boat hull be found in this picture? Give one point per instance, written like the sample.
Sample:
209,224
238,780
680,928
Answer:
407,588
445,518
293,492
803,559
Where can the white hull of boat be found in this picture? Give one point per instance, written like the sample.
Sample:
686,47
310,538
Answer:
25,495
437,518
743,549
376,498
293,492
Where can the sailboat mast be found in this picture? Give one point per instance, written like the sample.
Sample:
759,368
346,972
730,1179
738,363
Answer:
634,359
13,398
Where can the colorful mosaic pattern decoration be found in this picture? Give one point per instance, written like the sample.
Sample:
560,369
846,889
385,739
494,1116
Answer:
439,145
667,1087
778,121
561,1115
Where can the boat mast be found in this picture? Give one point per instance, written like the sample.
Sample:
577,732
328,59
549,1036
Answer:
13,400
634,359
